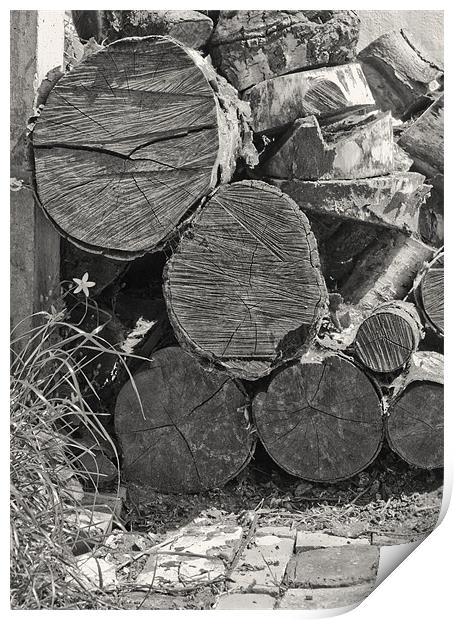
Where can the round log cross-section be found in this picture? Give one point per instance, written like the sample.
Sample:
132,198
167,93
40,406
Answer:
430,297
188,432
128,141
415,426
244,289
387,338
320,421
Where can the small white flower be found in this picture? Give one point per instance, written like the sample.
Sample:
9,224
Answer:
83,284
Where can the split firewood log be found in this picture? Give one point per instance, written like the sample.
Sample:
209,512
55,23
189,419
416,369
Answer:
191,28
320,420
244,288
181,428
392,200
325,92
388,337
400,73
130,140
250,46
429,294
385,270
357,147
414,425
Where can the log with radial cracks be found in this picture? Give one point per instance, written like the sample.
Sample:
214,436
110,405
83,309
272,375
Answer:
386,340
320,421
414,425
430,295
189,431
131,139
244,289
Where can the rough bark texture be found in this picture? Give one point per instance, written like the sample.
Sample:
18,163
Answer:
358,147
189,432
400,74
130,140
415,424
191,28
386,340
248,47
328,91
385,271
320,421
424,140
391,200
244,288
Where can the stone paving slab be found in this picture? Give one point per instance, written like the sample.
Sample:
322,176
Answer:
325,598
262,566
177,564
333,567
246,601
319,540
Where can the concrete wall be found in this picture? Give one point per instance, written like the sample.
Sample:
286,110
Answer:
426,26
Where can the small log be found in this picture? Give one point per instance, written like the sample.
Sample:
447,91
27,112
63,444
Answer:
130,140
429,296
385,271
102,270
400,74
189,432
321,421
424,140
250,46
358,147
414,426
324,92
391,200
431,217
386,340
190,28
244,288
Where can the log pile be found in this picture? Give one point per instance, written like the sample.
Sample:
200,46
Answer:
257,218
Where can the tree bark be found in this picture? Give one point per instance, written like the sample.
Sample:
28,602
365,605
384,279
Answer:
324,92
386,339
358,147
190,28
399,74
321,421
130,140
414,425
248,47
392,200
244,288
189,432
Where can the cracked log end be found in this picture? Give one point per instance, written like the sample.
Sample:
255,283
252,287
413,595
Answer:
128,142
430,297
193,433
386,340
244,289
320,421
250,46
415,426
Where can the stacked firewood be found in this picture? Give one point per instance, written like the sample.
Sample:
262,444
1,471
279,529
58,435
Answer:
257,218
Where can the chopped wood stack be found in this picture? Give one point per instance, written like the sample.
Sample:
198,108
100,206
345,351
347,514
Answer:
299,285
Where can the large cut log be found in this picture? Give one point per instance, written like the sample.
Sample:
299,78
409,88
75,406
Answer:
250,46
385,271
130,140
244,288
324,92
391,200
400,73
429,295
386,339
414,425
191,28
182,429
424,140
320,421
358,147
